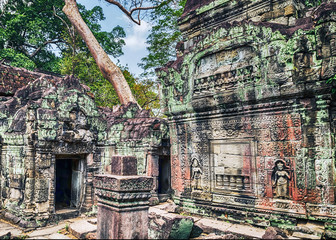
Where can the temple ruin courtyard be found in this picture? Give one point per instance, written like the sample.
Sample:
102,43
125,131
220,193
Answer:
246,150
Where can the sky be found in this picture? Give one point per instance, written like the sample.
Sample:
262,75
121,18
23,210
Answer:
136,35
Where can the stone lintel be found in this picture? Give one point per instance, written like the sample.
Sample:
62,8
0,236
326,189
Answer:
123,183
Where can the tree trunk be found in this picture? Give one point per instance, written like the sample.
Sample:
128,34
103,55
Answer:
109,70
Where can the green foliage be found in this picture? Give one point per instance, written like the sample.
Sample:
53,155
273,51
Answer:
37,29
85,68
332,81
313,3
164,34
17,59
32,31
143,91
37,34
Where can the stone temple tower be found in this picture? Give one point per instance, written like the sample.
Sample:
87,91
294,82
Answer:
251,110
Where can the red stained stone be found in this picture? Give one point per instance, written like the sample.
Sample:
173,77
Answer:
123,165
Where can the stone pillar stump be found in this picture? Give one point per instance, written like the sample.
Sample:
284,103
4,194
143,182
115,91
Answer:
123,203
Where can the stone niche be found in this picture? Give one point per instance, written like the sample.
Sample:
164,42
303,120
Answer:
251,112
54,139
232,166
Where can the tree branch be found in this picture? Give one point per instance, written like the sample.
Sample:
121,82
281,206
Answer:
149,101
64,22
130,12
43,45
109,70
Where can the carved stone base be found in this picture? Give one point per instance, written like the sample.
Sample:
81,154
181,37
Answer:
123,203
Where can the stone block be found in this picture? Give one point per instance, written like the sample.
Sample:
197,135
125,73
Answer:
108,183
15,193
81,228
301,235
41,192
163,225
290,10
42,206
41,195
16,181
128,224
274,233
41,184
123,165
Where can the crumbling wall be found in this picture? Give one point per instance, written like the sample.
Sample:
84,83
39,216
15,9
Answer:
45,119
42,120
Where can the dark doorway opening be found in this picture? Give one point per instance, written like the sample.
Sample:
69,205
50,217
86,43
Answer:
63,183
69,178
164,175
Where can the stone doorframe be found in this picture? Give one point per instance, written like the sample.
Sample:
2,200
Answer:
83,159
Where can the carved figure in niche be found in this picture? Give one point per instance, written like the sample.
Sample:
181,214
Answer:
280,179
196,173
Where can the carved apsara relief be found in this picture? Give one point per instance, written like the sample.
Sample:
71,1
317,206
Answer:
196,174
280,179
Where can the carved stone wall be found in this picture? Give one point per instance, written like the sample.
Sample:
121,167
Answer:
45,119
251,110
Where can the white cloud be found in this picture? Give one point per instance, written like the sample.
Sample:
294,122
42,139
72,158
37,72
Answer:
136,36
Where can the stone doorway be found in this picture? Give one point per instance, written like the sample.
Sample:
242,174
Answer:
69,182
164,176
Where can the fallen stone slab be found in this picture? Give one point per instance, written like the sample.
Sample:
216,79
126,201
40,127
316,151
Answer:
46,231
81,228
9,230
92,221
226,230
246,231
214,236
164,225
213,226
58,236
301,235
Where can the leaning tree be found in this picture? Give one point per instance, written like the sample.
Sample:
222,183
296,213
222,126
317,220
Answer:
132,8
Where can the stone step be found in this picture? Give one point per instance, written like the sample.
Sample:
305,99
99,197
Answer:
81,228
65,214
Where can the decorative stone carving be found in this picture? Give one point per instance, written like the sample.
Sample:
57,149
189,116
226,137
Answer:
123,203
258,84
196,174
233,161
280,179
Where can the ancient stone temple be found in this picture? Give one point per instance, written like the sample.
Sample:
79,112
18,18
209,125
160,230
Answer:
251,111
54,139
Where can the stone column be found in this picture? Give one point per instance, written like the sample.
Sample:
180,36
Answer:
153,171
123,201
